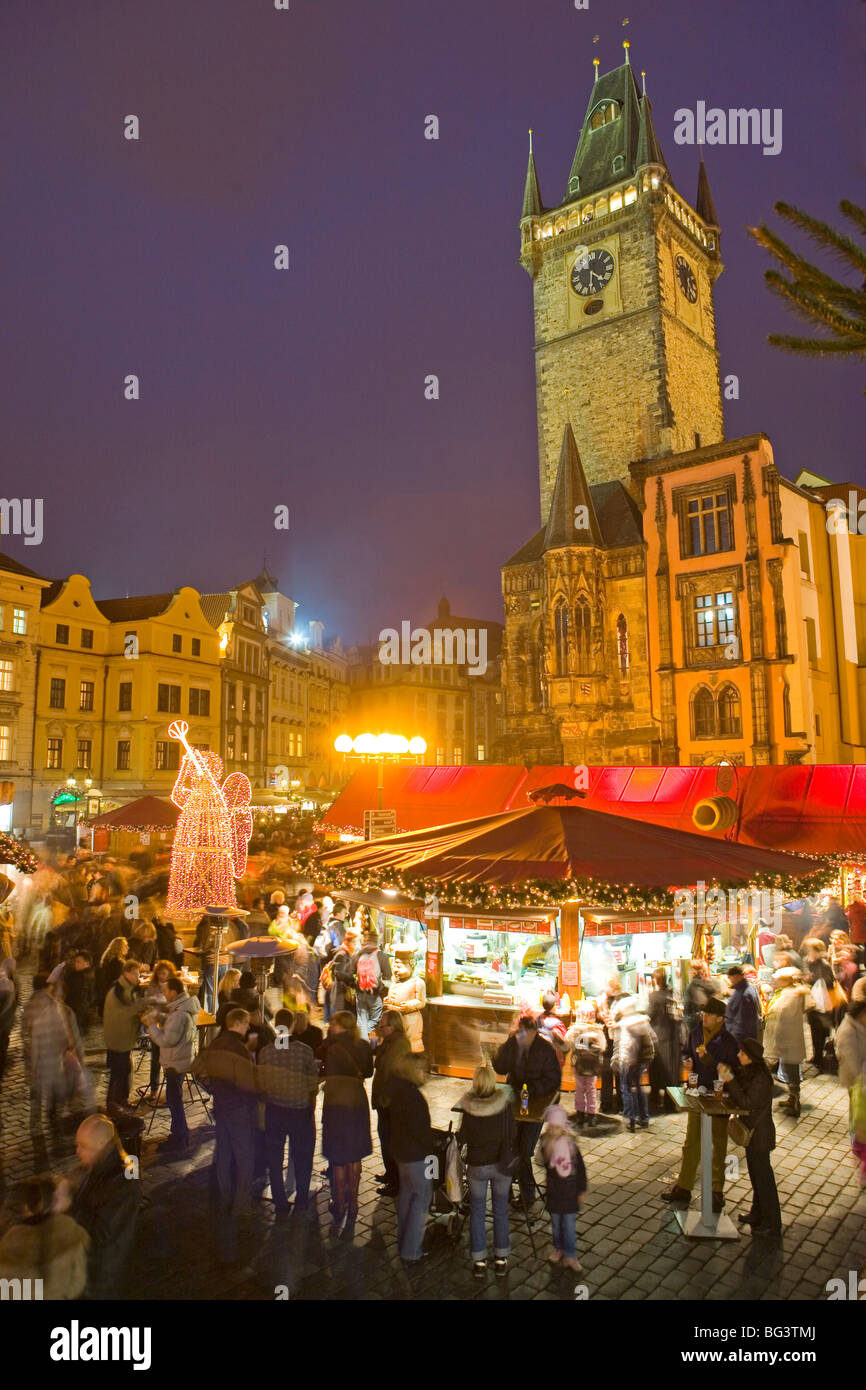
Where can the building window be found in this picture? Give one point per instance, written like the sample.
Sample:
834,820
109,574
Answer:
124,695
582,633
167,755
560,627
817,725
440,757
703,713
57,693
5,743
85,748
87,637
249,614
199,702
168,699
55,753
176,642
707,529
300,745
615,201
61,634
811,641
230,699
715,619
19,621
603,114
805,566
7,675
458,756
786,710
196,646
630,196
480,752
730,722
123,750
622,644
85,695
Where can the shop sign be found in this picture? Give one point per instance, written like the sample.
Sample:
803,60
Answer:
632,928
379,823
532,926
432,963
570,970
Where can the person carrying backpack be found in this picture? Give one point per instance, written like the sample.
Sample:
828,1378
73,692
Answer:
370,969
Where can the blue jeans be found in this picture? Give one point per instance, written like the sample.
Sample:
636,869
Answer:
369,1013
174,1100
413,1204
563,1228
479,1176
207,1002
635,1105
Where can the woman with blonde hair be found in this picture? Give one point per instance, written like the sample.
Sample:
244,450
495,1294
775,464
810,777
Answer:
110,967
489,1130
229,982
346,1139
142,942
157,999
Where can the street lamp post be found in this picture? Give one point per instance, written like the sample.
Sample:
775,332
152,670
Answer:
376,748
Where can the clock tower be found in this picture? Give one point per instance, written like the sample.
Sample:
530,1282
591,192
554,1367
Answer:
623,270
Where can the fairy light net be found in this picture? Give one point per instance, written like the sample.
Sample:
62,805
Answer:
212,834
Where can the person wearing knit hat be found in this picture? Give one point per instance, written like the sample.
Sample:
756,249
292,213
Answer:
752,1089
709,1044
566,1185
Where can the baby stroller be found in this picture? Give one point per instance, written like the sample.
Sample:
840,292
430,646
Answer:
450,1185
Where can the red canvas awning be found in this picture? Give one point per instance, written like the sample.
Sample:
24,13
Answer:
424,796
142,814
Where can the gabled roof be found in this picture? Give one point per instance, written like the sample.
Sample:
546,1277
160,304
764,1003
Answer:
617,515
570,491
130,610
532,204
10,566
216,606
597,149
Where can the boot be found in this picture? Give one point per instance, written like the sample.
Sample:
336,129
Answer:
591,1121
580,1116
348,1231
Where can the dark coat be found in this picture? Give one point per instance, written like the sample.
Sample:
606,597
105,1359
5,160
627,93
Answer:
754,1088
743,1012
410,1134
721,1048
537,1066
229,1071
696,996
107,1205
668,1028
485,1123
562,1193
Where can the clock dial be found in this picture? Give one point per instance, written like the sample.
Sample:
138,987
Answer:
591,271
686,277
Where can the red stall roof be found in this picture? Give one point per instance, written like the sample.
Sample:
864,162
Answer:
817,809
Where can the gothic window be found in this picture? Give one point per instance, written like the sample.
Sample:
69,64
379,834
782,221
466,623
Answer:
603,114
618,163
786,710
622,644
560,623
730,721
715,619
582,633
705,524
703,713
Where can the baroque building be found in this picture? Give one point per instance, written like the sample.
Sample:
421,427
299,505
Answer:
682,603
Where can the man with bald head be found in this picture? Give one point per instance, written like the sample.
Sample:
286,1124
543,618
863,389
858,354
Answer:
106,1203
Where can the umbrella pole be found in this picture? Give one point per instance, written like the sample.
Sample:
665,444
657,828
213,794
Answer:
216,964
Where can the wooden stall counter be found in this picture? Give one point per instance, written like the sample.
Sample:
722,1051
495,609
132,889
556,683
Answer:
463,1030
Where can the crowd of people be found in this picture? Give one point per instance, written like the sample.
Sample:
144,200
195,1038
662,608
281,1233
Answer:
267,1063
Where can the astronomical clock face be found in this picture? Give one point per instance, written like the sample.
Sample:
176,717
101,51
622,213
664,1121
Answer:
686,277
591,271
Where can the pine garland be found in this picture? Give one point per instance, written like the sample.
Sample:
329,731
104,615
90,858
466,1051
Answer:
13,852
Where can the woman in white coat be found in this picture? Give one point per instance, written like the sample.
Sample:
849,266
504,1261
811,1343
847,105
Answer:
784,1036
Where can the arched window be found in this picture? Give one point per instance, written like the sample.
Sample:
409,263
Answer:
703,713
622,644
730,722
582,633
604,113
560,624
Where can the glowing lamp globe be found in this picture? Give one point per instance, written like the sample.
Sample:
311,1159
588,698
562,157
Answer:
366,744
343,744
417,746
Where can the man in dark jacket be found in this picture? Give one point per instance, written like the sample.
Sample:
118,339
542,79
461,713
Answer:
227,1068
393,1047
753,1088
709,1044
288,1078
529,1060
411,1144
702,986
106,1204
743,1013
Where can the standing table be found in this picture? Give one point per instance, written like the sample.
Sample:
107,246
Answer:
705,1224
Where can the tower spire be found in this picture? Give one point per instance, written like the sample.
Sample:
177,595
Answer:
626,45
532,205
704,205
572,519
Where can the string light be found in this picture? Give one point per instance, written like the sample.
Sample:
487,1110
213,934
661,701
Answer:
13,852
212,833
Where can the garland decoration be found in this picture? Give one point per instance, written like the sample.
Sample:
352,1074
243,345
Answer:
14,852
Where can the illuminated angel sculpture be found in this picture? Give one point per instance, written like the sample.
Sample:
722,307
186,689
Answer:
212,834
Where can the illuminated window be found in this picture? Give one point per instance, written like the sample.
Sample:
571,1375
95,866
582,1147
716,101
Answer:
55,753
458,755
615,202
730,722
601,207
7,675
622,644
630,196
715,618
480,753
85,695
85,751
122,759
19,621
300,745
5,743
603,114
440,757
560,625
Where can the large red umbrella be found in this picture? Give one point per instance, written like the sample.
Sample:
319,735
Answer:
563,842
142,814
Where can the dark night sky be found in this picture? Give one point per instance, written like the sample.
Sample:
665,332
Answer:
305,388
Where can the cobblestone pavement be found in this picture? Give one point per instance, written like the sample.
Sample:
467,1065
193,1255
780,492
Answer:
629,1241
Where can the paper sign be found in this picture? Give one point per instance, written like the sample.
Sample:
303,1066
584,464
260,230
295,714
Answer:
570,972
432,941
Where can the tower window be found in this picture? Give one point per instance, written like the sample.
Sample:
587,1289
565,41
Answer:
630,196
574,184
603,114
618,163
703,713
707,529
715,618
730,725
560,624
615,202
582,633
622,644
